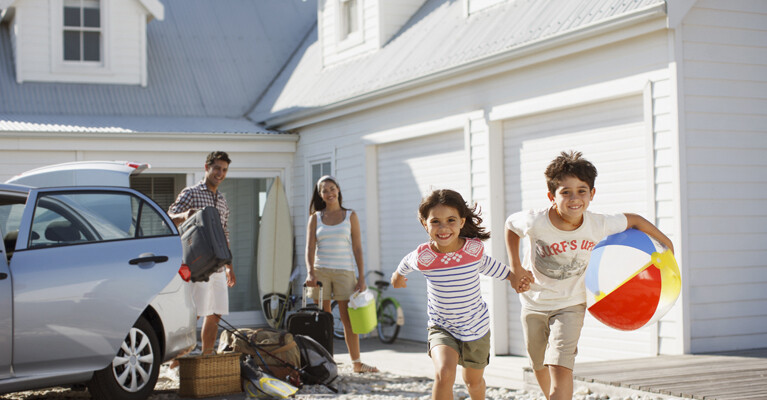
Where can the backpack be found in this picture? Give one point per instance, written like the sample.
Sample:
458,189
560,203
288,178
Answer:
317,365
204,244
274,350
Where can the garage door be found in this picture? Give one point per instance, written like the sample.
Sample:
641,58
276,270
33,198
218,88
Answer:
408,170
612,136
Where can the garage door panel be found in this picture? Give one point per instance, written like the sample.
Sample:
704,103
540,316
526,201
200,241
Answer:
407,171
612,136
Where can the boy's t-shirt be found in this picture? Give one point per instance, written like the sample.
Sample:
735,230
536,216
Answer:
454,300
557,258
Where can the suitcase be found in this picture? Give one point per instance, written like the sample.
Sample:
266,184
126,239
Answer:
204,244
312,321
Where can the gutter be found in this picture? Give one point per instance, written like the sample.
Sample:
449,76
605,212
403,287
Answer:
377,97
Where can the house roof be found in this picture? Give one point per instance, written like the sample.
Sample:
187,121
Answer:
438,38
208,63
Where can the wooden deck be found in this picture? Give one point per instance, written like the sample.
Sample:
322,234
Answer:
738,375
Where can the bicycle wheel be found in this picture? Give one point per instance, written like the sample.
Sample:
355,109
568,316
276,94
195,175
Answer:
338,326
387,322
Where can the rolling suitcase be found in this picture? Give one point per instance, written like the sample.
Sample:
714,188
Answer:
312,321
204,244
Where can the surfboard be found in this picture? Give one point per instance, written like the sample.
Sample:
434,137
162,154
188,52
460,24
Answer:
275,255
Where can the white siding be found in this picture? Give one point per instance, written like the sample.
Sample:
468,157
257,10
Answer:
725,98
124,50
335,50
612,135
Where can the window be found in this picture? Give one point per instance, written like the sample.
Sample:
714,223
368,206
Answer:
82,31
319,170
350,18
72,218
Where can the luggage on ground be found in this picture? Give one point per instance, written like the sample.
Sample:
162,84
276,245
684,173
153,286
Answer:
204,244
275,351
258,384
312,321
320,367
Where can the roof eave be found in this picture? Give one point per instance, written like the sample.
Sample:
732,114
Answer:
292,119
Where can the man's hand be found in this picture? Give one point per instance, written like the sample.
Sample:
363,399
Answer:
230,278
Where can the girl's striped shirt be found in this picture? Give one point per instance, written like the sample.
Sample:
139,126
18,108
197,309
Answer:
452,286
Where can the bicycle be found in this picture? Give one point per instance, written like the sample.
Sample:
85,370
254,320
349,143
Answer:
388,311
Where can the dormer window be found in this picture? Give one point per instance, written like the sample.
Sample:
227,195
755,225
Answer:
349,18
82,31
349,23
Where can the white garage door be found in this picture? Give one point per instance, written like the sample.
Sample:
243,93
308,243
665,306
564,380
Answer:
613,137
407,171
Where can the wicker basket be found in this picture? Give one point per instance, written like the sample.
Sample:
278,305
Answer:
211,375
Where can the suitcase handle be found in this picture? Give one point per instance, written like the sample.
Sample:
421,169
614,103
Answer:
303,298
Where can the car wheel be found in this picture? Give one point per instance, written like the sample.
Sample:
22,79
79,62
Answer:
134,370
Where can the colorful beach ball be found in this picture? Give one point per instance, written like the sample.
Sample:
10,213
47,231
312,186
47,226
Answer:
631,281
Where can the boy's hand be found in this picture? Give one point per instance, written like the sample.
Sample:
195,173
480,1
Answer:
521,280
398,281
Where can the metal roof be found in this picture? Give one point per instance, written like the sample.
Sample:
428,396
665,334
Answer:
208,63
439,37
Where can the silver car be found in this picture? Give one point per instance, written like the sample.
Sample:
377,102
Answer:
92,288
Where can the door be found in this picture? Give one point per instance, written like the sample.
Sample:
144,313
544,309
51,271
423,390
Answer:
87,264
11,209
612,135
408,171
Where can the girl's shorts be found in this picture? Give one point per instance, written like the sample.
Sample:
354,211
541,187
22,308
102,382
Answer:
474,354
337,284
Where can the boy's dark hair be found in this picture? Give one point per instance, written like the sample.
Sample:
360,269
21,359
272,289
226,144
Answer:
317,204
217,155
446,197
570,164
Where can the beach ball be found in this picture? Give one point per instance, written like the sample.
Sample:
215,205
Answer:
631,280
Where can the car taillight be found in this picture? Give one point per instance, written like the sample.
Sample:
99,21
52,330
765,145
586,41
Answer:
185,272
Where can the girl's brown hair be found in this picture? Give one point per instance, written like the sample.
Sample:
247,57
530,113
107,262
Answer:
450,198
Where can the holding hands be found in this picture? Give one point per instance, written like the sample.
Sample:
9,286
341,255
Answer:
521,281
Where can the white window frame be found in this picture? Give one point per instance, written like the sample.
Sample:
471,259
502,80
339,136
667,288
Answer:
58,64
347,39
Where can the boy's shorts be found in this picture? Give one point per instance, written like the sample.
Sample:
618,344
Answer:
337,284
474,354
552,336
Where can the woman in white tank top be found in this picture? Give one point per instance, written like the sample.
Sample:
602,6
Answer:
333,248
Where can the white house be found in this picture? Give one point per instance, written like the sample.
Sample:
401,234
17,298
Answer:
398,97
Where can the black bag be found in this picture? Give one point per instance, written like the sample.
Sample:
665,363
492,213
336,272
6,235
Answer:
319,365
204,244
313,322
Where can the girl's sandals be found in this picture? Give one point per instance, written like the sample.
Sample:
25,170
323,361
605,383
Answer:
362,368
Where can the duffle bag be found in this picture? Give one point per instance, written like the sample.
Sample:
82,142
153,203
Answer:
272,349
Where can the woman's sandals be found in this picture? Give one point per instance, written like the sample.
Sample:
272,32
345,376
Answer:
362,368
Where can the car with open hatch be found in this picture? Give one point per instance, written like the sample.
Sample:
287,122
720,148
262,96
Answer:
92,286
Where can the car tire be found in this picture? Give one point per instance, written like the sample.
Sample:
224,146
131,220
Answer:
133,372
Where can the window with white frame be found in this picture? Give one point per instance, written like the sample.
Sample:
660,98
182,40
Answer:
82,31
349,19
319,169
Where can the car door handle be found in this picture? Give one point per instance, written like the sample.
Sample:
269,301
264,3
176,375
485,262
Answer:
3,275
145,259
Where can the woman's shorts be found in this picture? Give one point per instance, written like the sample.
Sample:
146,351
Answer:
474,354
337,284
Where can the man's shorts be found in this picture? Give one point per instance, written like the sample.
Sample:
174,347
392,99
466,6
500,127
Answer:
474,354
552,336
211,297
337,284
